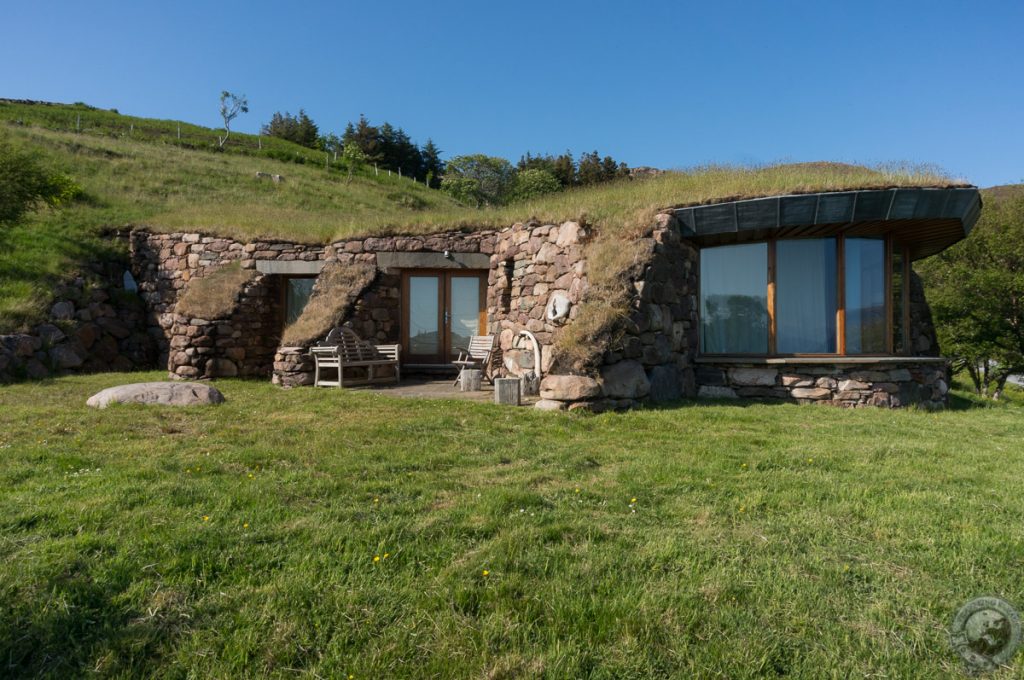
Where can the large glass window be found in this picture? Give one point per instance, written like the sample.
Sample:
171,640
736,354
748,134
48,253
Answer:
795,296
734,299
806,296
865,296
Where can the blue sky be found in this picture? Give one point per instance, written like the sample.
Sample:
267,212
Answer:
668,84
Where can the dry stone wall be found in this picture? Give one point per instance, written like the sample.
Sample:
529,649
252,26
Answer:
537,279
94,325
245,343
889,384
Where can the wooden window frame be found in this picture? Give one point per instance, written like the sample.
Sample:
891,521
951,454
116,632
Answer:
444,293
772,302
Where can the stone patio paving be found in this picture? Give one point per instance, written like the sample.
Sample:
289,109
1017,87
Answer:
431,388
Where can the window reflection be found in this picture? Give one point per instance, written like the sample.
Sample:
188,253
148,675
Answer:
734,299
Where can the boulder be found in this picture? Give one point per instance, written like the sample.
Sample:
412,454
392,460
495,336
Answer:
569,387
65,357
161,393
625,380
63,310
550,405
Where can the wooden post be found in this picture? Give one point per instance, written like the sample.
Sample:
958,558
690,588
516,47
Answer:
470,379
506,391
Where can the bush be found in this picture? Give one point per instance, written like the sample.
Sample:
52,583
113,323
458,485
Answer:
533,183
25,184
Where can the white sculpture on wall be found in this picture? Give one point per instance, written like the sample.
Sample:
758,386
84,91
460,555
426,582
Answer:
558,307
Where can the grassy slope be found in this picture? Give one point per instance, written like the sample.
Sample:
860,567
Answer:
240,540
150,178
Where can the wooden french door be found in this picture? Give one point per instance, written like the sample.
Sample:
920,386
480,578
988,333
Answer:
441,310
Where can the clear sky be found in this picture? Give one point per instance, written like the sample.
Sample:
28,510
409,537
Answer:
667,84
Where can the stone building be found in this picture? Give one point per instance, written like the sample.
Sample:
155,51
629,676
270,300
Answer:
808,297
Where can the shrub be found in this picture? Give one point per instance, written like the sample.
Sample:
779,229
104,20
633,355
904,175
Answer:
25,184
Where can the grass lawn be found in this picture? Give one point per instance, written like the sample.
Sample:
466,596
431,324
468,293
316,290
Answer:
333,533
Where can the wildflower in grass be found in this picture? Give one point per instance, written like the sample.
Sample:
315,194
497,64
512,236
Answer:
376,558
376,500
743,508
486,572
206,518
252,476
577,489
743,466
387,555
245,525
810,460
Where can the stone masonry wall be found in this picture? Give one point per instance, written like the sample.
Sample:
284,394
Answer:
888,384
94,325
653,358
537,279
245,342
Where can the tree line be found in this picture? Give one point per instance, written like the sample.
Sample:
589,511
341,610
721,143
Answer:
474,179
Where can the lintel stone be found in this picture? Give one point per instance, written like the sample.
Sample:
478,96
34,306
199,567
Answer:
433,261
290,267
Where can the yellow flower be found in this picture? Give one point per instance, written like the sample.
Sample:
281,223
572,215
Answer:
486,572
245,525
742,508
376,500
251,476
632,500
387,555
577,489
744,466
376,558
810,460
206,518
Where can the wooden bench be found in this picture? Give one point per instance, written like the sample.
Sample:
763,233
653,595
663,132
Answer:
344,349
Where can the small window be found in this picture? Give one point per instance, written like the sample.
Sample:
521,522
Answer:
734,299
297,292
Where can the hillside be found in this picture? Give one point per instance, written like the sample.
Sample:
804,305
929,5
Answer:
137,172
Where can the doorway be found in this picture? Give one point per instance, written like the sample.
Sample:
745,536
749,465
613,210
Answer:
441,310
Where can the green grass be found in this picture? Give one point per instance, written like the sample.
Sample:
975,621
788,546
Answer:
764,540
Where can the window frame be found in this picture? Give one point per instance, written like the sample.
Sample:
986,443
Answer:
891,247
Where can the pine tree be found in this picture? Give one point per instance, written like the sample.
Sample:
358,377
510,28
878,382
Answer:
433,166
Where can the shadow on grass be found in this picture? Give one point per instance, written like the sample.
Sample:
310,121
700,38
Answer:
77,625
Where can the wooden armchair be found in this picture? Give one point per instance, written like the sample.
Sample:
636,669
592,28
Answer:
479,354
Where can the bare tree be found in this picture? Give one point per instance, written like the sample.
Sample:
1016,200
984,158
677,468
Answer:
230,106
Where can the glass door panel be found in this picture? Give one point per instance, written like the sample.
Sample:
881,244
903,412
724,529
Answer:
464,312
424,323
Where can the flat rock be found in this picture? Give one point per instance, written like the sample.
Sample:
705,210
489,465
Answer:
550,405
161,393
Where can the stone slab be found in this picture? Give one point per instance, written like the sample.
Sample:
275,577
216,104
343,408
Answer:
290,267
433,261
